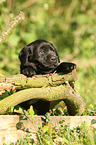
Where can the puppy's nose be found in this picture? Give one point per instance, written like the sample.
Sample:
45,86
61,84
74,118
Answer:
53,58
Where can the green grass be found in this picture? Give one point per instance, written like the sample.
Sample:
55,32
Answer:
49,134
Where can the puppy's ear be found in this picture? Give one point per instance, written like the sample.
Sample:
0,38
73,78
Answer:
26,53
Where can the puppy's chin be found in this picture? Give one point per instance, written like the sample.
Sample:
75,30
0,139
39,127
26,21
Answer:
44,69
50,66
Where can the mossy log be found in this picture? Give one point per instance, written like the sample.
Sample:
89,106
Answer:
50,87
22,82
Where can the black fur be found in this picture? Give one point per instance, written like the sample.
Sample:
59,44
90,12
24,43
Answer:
41,57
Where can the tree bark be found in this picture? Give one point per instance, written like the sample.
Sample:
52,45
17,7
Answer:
50,87
22,82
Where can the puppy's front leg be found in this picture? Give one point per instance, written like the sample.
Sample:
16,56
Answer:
28,69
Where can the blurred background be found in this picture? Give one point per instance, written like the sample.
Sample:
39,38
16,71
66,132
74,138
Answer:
69,25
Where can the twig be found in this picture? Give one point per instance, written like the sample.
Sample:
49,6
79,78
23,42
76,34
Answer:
18,19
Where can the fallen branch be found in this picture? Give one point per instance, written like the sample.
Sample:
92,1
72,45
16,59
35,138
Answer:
21,82
63,92
51,87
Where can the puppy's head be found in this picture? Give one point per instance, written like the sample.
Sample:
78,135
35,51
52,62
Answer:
44,55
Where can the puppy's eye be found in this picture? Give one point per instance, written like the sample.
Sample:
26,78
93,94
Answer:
43,49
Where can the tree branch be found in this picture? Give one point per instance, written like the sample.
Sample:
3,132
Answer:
21,82
50,87
62,92
20,17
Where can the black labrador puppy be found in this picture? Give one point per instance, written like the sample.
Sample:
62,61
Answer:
41,57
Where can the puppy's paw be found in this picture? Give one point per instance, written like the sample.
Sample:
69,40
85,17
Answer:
28,72
65,67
